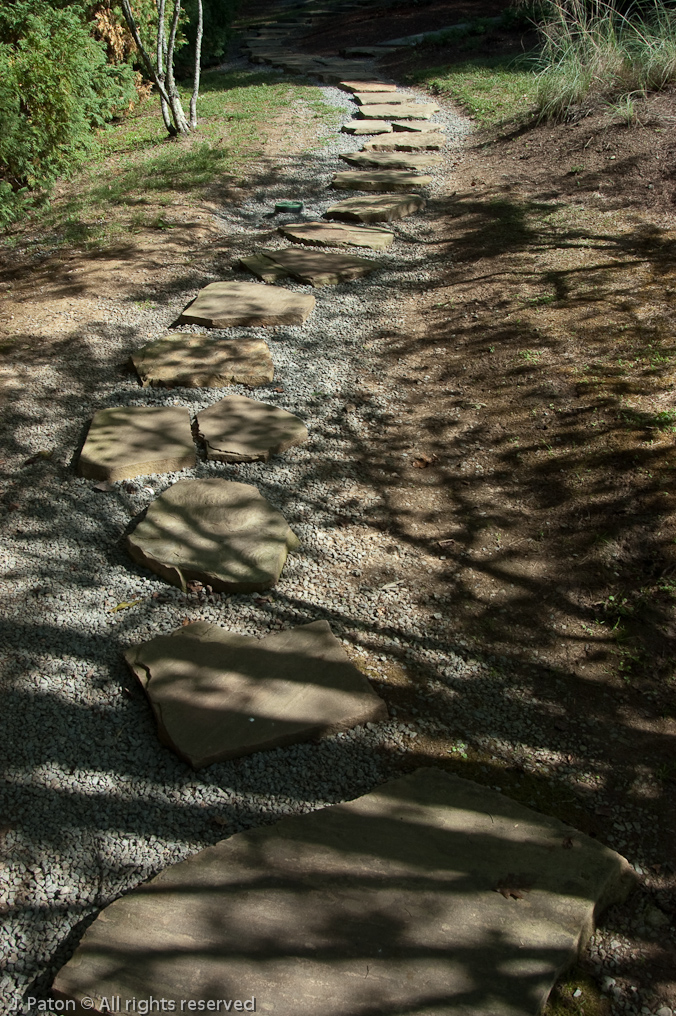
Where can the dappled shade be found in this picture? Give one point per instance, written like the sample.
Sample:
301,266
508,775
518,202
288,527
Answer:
217,694
385,905
238,429
227,304
200,361
128,441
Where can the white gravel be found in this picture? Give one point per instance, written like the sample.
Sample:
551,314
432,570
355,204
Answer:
91,803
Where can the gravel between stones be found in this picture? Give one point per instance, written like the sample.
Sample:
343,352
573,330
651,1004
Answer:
91,803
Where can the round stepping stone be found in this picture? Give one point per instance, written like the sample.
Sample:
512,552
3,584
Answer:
218,695
367,86
316,268
324,234
381,208
218,532
428,141
227,304
393,160
379,180
394,903
412,111
376,98
367,127
416,125
238,429
185,360
128,441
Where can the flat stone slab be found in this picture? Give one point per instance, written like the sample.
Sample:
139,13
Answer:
381,208
416,125
397,902
238,429
380,180
217,695
128,441
393,160
410,111
367,127
226,304
325,234
186,360
425,141
374,98
317,268
218,532
367,86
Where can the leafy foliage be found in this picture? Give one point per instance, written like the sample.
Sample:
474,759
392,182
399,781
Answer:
55,85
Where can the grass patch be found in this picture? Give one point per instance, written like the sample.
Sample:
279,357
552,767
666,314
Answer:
139,172
492,90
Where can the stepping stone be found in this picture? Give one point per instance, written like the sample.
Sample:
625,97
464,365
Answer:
227,304
325,234
376,209
185,360
129,441
217,695
413,111
393,160
367,127
218,532
238,429
371,98
427,141
380,180
316,268
416,125
367,86
385,904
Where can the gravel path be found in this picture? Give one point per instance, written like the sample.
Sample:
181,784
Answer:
91,804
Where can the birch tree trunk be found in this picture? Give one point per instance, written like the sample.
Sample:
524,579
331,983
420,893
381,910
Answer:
172,90
161,60
198,65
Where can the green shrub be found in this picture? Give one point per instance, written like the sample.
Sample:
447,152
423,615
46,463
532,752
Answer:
55,86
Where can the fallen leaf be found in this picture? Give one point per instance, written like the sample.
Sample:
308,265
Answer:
423,461
445,543
124,605
279,389
194,586
40,456
568,843
515,886
90,673
13,506
186,620
104,486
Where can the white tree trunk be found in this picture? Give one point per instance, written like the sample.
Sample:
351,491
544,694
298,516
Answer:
161,61
172,90
198,65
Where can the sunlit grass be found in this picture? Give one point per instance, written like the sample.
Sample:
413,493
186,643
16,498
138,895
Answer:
490,89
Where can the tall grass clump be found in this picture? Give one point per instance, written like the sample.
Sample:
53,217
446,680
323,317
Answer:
594,53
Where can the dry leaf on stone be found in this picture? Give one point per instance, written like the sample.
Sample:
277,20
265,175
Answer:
40,456
515,886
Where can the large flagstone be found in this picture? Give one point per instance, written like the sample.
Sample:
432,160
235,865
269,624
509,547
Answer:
380,180
226,304
218,532
377,208
367,86
218,695
185,360
375,98
317,268
367,127
416,125
238,429
429,141
393,160
430,895
408,111
334,234
128,441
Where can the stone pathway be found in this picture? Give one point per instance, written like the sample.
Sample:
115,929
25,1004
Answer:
430,892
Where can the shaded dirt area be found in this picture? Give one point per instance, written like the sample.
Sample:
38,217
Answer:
534,455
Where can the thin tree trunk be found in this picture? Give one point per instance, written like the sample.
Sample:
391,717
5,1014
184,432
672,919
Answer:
161,62
198,65
172,90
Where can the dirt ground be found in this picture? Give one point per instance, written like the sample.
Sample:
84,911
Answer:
538,430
